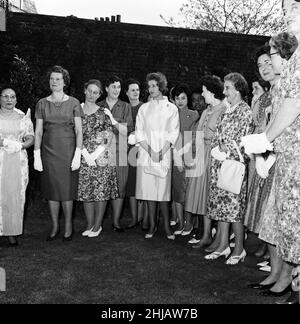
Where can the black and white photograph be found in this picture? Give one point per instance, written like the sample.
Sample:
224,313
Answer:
149,155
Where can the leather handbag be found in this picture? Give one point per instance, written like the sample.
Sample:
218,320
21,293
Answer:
232,173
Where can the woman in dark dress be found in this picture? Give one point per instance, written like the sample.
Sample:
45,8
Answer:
138,208
121,118
57,149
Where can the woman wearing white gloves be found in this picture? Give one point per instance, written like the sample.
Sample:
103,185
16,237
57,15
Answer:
97,176
57,149
120,115
283,134
16,135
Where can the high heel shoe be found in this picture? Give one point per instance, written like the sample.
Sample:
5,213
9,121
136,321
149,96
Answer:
179,232
270,293
51,238
216,255
150,235
87,232
171,237
186,233
118,229
95,234
234,260
68,238
293,299
133,226
258,286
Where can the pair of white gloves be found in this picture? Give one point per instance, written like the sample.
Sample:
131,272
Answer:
257,144
263,166
11,146
38,165
91,158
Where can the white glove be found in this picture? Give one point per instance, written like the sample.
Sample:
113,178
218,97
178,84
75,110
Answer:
11,146
131,139
38,165
99,150
218,155
109,114
88,159
256,144
76,160
261,168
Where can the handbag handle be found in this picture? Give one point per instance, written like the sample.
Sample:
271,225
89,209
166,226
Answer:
239,152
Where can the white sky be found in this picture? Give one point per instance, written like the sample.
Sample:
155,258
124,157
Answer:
132,11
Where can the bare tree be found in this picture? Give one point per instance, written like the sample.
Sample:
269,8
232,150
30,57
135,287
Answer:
236,16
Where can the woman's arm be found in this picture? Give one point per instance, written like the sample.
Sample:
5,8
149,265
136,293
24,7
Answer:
78,132
288,113
29,141
38,134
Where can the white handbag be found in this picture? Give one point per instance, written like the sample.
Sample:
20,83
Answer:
158,169
232,173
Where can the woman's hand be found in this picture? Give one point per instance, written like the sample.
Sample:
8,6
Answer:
109,114
11,146
38,165
76,160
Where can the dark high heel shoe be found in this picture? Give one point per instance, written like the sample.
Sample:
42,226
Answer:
270,293
294,299
51,238
133,226
258,286
68,239
13,243
118,229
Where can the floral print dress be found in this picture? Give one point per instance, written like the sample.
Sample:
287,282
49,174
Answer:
98,183
225,206
287,173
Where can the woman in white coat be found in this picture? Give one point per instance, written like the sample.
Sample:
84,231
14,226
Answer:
157,129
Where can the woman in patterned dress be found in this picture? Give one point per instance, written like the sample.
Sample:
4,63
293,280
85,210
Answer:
259,186
57,149
225,207
16,135
268,218
97,176
284,130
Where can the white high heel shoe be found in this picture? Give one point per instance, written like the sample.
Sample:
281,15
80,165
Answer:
236,259
86,233
95,234
216,255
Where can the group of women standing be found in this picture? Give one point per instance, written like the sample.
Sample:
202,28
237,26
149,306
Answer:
162,151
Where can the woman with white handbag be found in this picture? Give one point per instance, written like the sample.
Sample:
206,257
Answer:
157,130
228,187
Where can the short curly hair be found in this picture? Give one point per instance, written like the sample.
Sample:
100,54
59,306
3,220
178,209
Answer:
160,79
215,85
240,84
285,43
59,69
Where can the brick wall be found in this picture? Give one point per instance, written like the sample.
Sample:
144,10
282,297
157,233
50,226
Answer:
93,49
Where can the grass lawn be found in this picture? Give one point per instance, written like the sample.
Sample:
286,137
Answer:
119,268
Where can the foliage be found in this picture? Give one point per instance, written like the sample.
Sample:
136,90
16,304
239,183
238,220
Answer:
246,17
